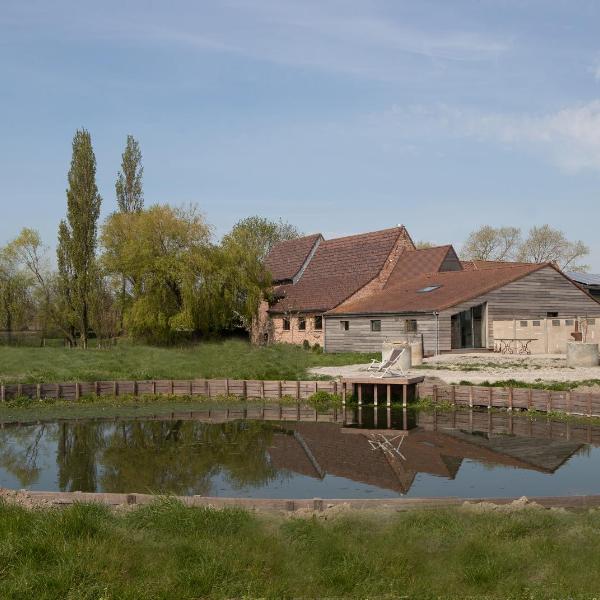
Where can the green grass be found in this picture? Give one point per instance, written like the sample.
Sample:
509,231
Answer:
234,359
166,550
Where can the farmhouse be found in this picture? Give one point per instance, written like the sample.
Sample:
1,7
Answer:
354,293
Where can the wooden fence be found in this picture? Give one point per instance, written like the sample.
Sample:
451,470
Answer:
573,403
247,388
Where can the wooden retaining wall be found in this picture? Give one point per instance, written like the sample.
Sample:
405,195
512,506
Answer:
246,388
573,403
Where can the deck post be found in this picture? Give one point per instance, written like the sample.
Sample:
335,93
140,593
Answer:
375,395
359,385
404,395
344,393
388,395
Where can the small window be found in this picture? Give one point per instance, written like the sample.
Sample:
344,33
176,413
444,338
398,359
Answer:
286,324
301,323
555,322
344,325
551,315
410,326
591,321
569,322
536,323
428,288
523,323
376,325
318,323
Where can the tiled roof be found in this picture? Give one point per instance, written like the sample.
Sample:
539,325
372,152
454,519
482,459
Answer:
339,268
287,258
479,265
454,287
416,262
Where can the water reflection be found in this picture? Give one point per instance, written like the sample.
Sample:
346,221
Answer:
294,452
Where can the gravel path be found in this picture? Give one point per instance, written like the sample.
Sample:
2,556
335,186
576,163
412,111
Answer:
481,367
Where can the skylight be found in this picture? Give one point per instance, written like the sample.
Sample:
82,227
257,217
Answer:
429,288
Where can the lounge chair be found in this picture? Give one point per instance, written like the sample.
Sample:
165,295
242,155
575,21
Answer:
376,365
391,366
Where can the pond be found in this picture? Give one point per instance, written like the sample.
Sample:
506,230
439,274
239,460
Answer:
289,452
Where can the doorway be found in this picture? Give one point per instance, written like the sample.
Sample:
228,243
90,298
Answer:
468,328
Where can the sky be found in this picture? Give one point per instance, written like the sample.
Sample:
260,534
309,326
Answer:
337,116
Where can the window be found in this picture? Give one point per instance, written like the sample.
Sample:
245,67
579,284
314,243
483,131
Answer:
555,322
523,323
376,325
286,323
428,288
591,321
536,323
344,325
318,323
302,323
551,315
410,326
569,322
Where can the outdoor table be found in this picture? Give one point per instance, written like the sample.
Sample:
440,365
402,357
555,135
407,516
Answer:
513,345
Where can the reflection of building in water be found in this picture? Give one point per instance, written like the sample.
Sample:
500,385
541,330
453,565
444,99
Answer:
391,459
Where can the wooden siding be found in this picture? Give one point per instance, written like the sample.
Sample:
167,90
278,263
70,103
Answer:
360,338
531,297
451,262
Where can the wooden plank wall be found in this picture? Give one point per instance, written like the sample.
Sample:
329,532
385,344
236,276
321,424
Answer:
572,403
247,388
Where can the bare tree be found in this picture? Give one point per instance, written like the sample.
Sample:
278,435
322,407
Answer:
492,243
545,244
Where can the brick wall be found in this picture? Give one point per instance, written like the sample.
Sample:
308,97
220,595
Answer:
296,335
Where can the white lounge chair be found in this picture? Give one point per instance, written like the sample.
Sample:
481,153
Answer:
376,365
391,366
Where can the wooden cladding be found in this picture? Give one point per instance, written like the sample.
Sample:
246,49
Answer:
573,403
246,388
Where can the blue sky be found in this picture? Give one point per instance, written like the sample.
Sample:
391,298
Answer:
338,116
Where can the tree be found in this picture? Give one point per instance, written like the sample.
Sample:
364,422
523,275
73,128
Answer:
162,252
257,235
242,257
130,198
14,293
545,244
130,195
77,237
492,243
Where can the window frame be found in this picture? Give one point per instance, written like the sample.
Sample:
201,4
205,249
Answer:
318,327
344,325
410,329
376,325
286,324
301,323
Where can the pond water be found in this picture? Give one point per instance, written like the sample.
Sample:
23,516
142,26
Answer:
292,454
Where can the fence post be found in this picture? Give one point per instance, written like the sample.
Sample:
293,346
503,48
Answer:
470,396
227,387
510,399
529,399
77,390
262,389
171,387
96,388
549,402
298,390
2,393
19,390
568,402
590,404
435,393
279,389
115,388
454,395
38,391
490,393
245,389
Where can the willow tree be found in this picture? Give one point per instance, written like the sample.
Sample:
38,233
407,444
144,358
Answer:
77,239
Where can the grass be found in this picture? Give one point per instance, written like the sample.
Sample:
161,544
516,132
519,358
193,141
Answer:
166,550
235,359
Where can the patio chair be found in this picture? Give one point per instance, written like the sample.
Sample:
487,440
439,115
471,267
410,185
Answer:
376,365
391,367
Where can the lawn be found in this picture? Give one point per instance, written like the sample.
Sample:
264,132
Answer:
166,550
234,359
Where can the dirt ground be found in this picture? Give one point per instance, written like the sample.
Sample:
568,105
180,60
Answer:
481,367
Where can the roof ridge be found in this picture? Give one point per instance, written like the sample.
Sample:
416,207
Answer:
399,228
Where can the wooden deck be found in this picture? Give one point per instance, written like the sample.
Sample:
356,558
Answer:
408,386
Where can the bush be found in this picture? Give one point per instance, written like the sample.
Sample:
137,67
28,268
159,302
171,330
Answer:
322,399
306,345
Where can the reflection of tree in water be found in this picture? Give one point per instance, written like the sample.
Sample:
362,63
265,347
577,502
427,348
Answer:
19,452
182,457
78,444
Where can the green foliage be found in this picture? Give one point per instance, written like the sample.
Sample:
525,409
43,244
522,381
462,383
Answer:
128,187
166,550
323,399
15,287
77,237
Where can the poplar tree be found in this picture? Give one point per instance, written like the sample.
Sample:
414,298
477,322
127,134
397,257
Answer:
78,235
130,196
